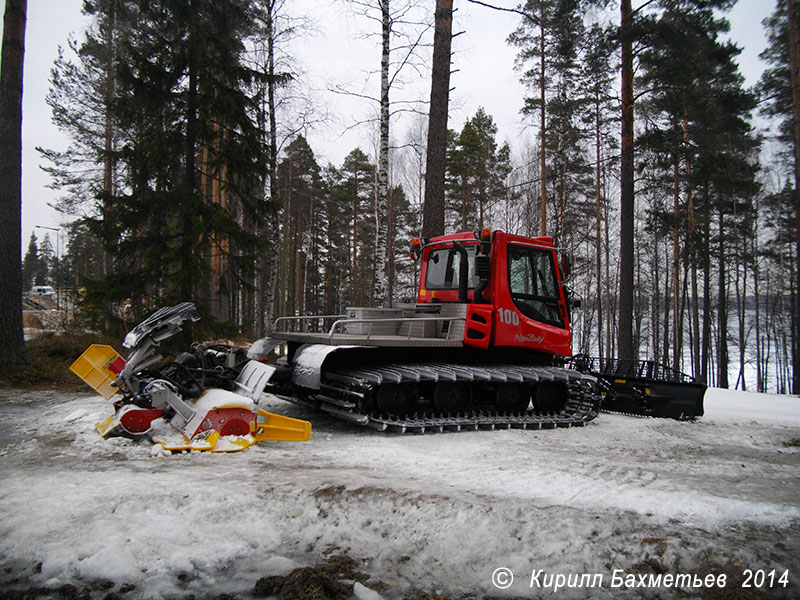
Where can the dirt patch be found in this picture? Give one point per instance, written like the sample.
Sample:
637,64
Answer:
329,581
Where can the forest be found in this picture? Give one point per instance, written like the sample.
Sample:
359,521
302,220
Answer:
191,172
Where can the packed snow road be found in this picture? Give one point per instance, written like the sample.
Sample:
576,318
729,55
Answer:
623,507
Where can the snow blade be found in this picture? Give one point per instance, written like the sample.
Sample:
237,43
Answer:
109,426
644,388
272,427
98,367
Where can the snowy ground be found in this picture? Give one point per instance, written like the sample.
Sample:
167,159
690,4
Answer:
435,513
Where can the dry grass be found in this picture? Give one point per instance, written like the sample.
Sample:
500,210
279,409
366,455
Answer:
49,358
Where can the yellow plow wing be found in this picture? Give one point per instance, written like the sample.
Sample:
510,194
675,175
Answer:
95,366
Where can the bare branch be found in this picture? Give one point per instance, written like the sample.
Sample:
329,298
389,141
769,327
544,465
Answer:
510,10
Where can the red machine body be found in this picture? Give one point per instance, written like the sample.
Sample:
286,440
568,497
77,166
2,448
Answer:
522,303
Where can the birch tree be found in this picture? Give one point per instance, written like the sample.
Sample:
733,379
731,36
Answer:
401,36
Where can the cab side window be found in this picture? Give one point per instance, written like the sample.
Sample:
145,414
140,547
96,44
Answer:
444,266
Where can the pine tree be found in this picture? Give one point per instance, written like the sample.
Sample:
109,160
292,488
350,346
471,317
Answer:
82,91
534,37
681,65
356,190
477,171
597,74
549,41
780,87
300,189
433,206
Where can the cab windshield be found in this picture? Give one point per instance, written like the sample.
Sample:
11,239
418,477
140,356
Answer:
533,284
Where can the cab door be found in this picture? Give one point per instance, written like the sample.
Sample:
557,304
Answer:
530,309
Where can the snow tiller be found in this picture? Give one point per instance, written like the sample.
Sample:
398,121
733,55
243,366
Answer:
644,387
206,399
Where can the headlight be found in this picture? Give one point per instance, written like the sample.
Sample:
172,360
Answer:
130,340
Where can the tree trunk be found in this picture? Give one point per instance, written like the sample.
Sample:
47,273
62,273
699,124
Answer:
269,264
11,183
598,225
741,308
722,311
354,278
108,161
676,283
380,281
794,55
391,238
610,304
695,307
754,250
433,208
705,359
625,346
542,136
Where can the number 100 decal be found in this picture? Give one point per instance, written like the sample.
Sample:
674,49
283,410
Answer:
508,317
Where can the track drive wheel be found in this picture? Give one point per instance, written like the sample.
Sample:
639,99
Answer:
396,398
452,397
512,398
549,396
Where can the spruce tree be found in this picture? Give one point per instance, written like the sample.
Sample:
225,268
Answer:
82,91
192,156
30,264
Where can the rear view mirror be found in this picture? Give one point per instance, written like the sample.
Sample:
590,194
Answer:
566,266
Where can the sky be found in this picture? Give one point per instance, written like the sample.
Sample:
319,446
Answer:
336,53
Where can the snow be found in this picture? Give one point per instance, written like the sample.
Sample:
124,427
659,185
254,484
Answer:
748,407
436,513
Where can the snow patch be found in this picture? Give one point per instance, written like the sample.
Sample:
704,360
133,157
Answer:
361,592
434,512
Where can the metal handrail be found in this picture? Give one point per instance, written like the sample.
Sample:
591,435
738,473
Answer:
401,320
628,368
303,317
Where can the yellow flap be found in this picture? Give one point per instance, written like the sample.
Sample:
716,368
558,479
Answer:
277,428
93,368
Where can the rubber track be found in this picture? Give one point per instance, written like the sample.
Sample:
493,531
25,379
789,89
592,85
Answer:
342,389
